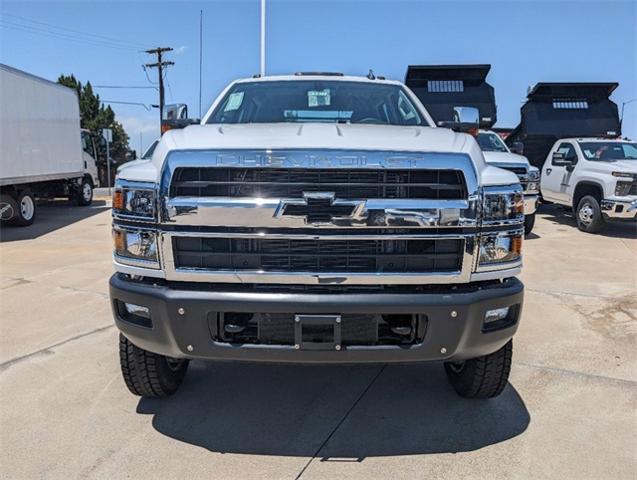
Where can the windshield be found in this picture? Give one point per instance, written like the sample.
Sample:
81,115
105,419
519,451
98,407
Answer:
491,142
316,101
609,151
149,151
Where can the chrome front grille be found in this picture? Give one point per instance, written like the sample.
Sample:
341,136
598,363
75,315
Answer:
324,255
295,182
319,217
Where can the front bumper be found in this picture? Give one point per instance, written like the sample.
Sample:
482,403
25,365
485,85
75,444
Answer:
619,209
188,335
530,203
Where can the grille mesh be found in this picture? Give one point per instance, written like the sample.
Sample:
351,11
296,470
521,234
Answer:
294,255
292,182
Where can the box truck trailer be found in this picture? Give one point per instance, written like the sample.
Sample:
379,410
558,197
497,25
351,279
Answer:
43,151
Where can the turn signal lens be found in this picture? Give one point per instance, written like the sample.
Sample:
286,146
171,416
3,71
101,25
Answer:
118,200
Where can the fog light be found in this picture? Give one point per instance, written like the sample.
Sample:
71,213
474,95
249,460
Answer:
137,310
496,315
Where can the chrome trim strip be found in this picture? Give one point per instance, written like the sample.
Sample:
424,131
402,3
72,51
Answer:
258,212
139,271
135,262
496,274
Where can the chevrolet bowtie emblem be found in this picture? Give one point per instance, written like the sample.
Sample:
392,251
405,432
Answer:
319,207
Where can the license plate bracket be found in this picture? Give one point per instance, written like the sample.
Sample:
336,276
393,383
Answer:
317,332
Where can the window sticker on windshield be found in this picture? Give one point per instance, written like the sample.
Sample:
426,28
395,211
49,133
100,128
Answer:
318,98
234,102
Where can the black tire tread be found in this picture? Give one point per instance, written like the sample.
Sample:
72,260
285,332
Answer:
484,377
141,371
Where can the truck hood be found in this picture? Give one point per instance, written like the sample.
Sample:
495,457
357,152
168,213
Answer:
505,158
627,166
311,136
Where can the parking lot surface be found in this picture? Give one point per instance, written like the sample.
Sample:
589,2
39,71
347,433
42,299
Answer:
570,410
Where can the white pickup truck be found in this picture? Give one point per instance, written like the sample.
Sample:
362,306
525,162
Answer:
596,177
317,218
497,153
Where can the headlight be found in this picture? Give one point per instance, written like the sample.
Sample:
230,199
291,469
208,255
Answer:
625,175
498,248
623,188
534,174
135,200
503,205
136,247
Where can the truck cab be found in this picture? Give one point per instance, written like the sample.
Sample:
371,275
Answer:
89,156
596,177
497,153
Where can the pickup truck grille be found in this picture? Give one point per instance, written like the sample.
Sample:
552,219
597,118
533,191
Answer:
293,182
517,170
309,255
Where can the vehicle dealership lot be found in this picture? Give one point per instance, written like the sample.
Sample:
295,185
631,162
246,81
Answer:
569,411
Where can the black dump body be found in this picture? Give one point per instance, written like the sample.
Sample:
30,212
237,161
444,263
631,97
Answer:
561,110
442,87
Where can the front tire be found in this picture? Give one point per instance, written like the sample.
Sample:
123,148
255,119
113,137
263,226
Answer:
529,222
148,374
589,215
482,377
25,212
84,196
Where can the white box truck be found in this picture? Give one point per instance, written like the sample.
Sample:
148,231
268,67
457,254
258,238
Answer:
43,151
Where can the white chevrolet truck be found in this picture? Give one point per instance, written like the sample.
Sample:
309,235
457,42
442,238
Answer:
497,153
317,218
596,177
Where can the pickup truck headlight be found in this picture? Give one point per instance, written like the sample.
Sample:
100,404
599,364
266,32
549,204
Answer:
623,188
501,247
136,247
503,205
534,174
134,200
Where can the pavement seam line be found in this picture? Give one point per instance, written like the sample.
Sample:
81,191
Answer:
13,361
576,373
342,420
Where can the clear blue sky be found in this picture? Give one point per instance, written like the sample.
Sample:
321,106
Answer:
526,42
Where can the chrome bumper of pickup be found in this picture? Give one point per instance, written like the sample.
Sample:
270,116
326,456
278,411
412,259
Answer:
530,203
619,209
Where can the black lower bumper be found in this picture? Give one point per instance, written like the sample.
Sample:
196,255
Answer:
179,325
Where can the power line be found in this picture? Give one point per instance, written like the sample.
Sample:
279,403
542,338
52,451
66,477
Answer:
61,36
96,36
125,86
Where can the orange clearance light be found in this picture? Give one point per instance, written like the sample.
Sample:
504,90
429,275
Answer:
118,199
165,127
516,244
119,240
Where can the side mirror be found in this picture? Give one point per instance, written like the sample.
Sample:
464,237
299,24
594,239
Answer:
465,119
175,111
517,147
560,160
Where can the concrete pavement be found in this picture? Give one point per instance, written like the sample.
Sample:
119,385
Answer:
570,410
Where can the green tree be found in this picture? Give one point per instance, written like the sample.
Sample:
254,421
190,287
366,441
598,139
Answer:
95,116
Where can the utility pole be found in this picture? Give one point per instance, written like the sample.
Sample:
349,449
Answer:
262,69
159,65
